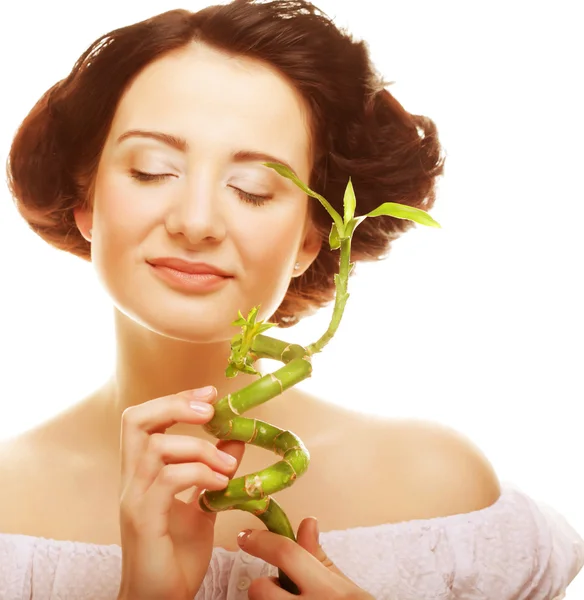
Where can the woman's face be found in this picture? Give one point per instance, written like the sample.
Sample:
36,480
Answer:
218,106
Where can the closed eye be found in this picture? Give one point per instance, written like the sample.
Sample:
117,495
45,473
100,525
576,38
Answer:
255,199
146,177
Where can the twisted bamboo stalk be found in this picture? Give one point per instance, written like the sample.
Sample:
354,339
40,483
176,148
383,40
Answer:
253,492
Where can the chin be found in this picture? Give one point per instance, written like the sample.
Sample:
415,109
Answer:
191,318
197,326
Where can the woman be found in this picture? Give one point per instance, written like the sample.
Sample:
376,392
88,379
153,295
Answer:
147,161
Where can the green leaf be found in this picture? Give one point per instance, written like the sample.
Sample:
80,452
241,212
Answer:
351,267
264,327
241,321
231,371
286,172
334,239
251,319
352,225
249,370
402,211
349,202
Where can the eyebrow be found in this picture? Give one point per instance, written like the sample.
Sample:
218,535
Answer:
182,145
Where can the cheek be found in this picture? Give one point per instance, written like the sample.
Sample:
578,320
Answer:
122,222
120,214
268,253
271,245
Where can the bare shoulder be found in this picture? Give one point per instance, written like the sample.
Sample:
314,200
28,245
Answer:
18,468
17,455
416,469
34,471
437,470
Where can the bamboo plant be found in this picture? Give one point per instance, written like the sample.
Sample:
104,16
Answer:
253,492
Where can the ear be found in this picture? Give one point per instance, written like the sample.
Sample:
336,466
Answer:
84,221
311,245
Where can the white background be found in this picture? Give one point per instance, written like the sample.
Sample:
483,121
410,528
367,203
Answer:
477,325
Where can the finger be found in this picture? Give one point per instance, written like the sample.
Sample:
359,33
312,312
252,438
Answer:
147,515
156,416
267,588
308,538
307,535
163,449
232,447
173,479
282,552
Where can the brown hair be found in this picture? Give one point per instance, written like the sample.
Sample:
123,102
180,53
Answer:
358,128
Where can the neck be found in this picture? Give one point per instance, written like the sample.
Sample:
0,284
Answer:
149,365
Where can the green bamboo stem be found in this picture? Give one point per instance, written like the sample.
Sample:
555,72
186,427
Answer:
253,492
341,297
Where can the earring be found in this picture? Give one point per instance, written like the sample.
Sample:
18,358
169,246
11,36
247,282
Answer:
296,266
90,231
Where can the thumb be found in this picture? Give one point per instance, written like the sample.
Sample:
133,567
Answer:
309,538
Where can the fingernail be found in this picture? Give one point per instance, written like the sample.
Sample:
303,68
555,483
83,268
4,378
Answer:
316,531
204,392
201,407
242,536
229,460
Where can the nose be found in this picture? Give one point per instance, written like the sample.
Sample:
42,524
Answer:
196,213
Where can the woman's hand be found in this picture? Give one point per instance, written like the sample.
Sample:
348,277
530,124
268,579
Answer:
305,562
167,544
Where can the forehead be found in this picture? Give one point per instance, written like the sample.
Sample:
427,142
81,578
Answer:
216,101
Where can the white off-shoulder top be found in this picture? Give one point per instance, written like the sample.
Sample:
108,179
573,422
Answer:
516,549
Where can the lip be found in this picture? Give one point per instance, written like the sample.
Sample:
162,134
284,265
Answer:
188,282
185,266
